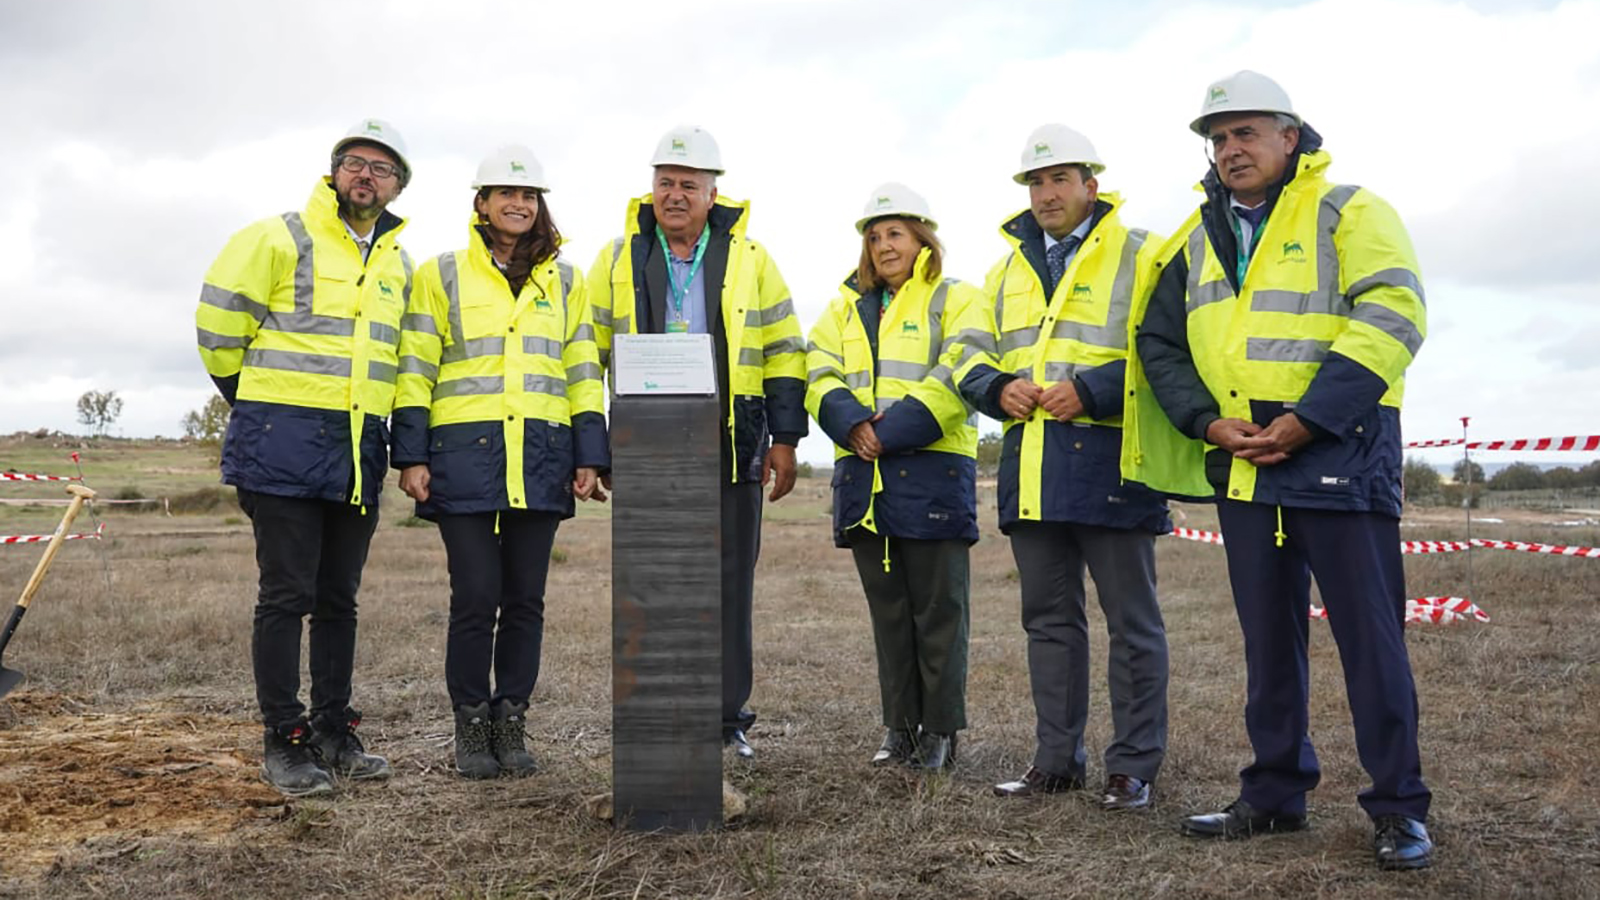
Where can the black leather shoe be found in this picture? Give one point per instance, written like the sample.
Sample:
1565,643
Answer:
739,743
897,748
1241,820
1401,843
1125,792
1038,781
936,752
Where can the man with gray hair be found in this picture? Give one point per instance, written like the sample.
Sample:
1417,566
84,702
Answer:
684,266
1287,312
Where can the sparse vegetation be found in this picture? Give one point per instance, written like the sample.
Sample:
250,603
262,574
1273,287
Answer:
99,410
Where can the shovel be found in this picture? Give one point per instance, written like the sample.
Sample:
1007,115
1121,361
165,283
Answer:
10,678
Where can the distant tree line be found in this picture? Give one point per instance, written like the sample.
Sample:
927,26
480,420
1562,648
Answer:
1424,485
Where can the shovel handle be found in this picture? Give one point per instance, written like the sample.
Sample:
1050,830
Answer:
79,494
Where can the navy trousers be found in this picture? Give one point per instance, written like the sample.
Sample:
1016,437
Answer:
741,546
1355,558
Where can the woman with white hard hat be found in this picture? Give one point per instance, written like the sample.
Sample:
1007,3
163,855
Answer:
882,386
499,424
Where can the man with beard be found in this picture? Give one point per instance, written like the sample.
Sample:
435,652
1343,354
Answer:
299,324
684,266
1279,334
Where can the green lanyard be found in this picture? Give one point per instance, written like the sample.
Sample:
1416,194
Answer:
888,297
680,291
1238,242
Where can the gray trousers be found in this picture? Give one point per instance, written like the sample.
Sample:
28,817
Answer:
920,614
1051,558
741,545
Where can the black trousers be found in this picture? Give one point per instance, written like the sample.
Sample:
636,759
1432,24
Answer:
310,554
497,581
741,546
920,615
1355,558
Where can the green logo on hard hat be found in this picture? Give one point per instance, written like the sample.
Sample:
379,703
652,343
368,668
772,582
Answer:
374,126
884,201
1217,95
1041,149
518,167
1081,291
1293,247
908,328
678,146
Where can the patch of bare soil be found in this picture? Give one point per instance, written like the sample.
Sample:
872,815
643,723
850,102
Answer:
70,776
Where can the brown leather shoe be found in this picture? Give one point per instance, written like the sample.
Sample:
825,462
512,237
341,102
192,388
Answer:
1037,781
1125,792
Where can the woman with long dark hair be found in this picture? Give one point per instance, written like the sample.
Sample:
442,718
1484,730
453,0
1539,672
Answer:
499,424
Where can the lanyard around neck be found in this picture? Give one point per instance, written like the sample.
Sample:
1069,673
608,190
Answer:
1238,242
680,291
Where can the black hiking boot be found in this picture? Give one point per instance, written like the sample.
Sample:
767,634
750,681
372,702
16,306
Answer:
334,739
474,742
508,730
288,762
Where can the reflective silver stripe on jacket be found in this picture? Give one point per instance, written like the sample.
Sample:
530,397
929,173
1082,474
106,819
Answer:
1211,291
232,301
1325,299
772,315
411,365
383,332
1291,350
1391,323
381,371
541,346
421,323
473,386
545,384
301,320
583,372
1396,277
292,361
210,340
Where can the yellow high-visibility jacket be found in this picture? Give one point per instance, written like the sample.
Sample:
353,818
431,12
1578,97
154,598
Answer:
900,362
1325,321
760,350
1054,471
500,395
300,335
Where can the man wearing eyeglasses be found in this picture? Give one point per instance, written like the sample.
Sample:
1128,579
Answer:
298,324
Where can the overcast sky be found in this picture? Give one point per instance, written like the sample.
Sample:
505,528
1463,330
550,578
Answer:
138,136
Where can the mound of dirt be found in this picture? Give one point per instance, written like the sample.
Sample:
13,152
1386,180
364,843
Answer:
69,775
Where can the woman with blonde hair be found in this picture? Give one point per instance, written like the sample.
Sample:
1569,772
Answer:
882,363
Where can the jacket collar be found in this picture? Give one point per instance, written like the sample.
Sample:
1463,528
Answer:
1023,229
322,212
726,217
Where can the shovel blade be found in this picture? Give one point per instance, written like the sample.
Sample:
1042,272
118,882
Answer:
9,678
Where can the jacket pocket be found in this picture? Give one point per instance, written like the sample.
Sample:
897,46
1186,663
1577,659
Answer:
465,464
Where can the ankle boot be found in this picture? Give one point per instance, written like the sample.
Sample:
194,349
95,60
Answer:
509,727
288,762
474,748
333,737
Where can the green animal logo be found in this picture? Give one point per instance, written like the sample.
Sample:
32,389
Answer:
908,328
384,289
1081,291
1217,95
373,126
517,167
542,305
1041,149
884,202
1293,247
678,146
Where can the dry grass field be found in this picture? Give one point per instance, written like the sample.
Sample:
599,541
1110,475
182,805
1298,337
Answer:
128,759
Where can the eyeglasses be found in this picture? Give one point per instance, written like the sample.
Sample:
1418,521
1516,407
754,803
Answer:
353,164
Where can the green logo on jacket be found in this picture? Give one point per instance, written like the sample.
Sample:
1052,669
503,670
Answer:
1294,248
1081,291
542,305
908,328
384,289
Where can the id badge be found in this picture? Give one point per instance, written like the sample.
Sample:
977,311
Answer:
677,326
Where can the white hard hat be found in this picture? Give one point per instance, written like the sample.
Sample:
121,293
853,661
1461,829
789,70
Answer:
689,146
894,199
377,131
512,165
1057,145
1243,91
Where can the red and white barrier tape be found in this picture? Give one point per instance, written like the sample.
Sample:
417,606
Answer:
1552,549
1580,442
39,538
1413,547
24,476
1437,610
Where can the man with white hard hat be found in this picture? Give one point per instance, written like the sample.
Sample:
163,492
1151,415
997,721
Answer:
1054,373
1287,312
299,323
683,265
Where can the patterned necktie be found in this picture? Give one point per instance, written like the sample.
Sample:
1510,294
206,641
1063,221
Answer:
363,246
1056,258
